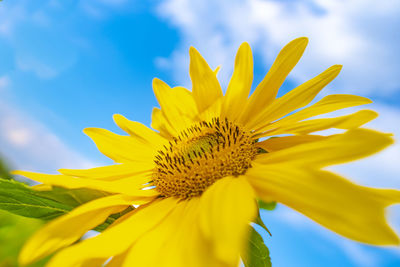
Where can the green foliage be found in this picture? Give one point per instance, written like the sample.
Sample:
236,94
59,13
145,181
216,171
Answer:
260,222
262,151
14,231
257,254
4,172
71,197
20,199
17,198
112,218
266,205
23,210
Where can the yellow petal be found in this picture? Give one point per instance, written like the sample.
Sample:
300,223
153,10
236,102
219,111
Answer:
157,240
278,143
139,131
212,111
68,228
130,186
42,187
181,250
112,172
116,240
177,105
217,69
188,246
347,122
227,208
325,105
240,84
297,98
160,123
336,149
117,261
353,211
267,90
206,88
120,148
93,263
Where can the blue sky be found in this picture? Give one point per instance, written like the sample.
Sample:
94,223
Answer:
67,65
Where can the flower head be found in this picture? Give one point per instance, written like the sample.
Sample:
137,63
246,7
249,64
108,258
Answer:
196,178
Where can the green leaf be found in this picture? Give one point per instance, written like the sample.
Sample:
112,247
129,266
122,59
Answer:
260,222
71,197
79,196
14,231
112,218
262,151
20,199
4,172
257,254
266,205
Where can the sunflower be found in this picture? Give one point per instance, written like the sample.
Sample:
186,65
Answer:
196,179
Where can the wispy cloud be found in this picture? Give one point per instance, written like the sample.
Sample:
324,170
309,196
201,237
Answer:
4,82
46,59
41,69
28,144
10,15
357,34
25,141
112,2
101,9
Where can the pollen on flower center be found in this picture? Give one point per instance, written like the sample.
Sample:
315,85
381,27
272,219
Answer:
201,155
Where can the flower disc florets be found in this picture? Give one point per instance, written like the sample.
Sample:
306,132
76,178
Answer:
200,155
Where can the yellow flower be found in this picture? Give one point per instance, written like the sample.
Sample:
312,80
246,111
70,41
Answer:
197,177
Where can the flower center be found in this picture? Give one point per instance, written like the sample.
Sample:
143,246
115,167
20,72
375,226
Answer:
201,155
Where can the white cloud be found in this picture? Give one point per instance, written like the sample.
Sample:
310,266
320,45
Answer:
24,141
29,145
357,34
18,137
